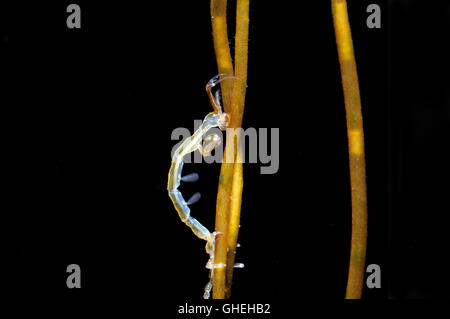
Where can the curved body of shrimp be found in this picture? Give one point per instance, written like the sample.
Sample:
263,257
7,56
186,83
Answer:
191,144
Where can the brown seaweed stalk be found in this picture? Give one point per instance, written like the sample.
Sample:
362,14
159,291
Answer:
356,148
231,179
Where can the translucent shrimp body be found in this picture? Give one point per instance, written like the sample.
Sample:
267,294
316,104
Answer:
192,144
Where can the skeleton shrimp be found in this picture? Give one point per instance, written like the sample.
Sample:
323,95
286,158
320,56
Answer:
191,144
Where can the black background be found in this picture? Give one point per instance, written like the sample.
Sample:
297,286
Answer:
419,144
116,88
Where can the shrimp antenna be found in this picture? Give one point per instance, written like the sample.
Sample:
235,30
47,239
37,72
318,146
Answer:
214,99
